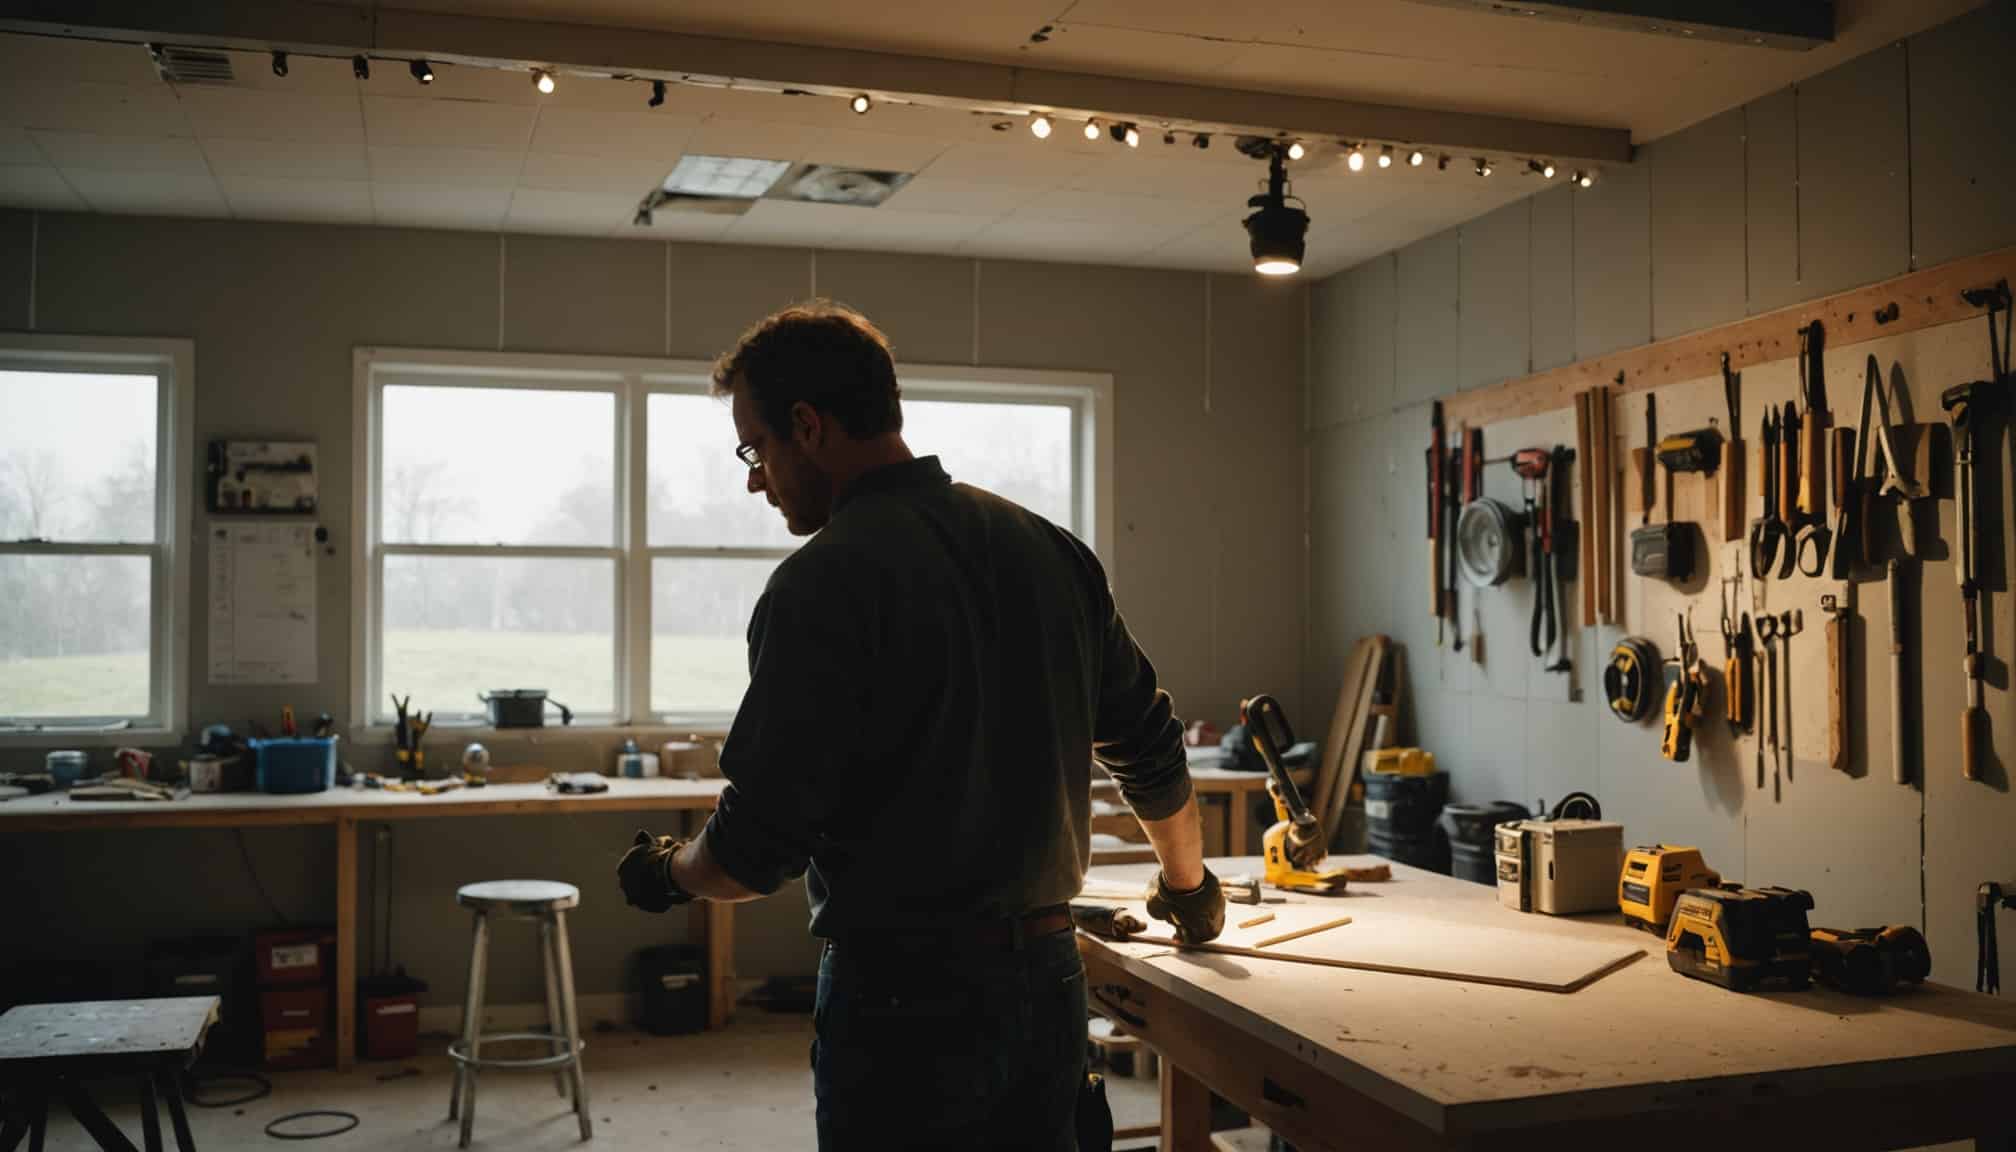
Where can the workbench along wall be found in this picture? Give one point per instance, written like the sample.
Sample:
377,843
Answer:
1208,389
1893,161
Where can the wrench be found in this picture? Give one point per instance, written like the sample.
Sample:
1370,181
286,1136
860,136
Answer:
1767,728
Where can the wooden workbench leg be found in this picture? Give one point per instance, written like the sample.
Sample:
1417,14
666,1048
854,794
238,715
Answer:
1186,1111
1238,825
346,942
712,923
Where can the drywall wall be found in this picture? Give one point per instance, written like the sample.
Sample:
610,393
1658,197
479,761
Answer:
1208,378
1711,224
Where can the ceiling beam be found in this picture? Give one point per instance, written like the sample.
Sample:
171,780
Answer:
309,26
1793,25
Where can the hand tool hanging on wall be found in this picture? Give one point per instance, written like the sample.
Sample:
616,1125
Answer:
1851,522
1562,534
1686,681
1767,635
1732,458
1736,654
1987,899
1963,404
1435,454
1487,543
1532,466
1788,486
1604,571
1584,471
1790,624
1840,611
1767,532
1470,485
1898,482
1899,770
1662,551
1452,507
1629,679
1810,538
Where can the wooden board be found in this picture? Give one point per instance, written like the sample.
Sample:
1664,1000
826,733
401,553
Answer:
1440,949
1352,743
1357,668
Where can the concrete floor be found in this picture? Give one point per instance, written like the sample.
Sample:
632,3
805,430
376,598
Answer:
747,1087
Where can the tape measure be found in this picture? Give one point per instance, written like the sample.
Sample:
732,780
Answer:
1631,680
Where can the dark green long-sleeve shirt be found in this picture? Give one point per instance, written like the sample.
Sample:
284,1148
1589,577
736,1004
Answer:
931,677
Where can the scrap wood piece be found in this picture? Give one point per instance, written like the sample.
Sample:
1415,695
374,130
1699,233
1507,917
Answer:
1355,736
1298,933
1327,772
1256,921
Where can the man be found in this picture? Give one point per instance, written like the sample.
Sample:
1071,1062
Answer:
931,676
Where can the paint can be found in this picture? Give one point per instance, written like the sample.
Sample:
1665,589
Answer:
66,766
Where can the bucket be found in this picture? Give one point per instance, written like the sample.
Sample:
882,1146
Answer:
1472,830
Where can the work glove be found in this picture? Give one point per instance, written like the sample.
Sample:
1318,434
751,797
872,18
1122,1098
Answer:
645,873
1198,915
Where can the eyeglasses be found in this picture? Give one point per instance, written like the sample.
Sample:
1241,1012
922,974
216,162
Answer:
748,455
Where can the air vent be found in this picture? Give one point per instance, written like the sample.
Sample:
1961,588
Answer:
194,66
828,184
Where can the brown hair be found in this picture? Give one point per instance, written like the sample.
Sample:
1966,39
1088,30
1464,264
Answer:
822,353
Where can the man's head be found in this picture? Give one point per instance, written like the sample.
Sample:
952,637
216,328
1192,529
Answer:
815,402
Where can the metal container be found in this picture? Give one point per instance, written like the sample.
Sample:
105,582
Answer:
521,708
66,767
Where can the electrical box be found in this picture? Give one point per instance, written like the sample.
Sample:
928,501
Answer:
263,477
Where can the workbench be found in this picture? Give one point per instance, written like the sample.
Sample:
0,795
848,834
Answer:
345,808
1644,1058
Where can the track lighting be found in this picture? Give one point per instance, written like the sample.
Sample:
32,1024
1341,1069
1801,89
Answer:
543,81
279,64
860,103
657,94
1040,127
1386,156
1483,166
1275,231
1415,158
422,71
1168,137
1585,178
1132,137
1355,159
1442,162
1544,168
1091,130
1296,151
1201,141
360,67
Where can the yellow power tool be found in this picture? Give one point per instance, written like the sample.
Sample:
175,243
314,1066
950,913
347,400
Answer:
1294,848
1652,880
1741,938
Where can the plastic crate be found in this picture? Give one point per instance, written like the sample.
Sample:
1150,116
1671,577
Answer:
306,764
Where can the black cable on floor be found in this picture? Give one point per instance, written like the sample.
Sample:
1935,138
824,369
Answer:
197,1082
311,1114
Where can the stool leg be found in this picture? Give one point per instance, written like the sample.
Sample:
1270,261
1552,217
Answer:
472,1027
552,998
150,1120
564,961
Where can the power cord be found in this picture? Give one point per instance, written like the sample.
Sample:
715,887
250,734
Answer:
194,1084
336,1114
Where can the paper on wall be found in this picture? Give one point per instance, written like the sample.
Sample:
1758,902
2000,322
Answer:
262,603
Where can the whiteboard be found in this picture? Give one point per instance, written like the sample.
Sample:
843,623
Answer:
262,603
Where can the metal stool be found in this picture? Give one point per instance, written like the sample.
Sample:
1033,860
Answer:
547,902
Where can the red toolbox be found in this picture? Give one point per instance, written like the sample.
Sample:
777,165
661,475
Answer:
296,1027
293,955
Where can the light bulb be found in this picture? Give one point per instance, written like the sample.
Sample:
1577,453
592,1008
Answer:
1585,179
1386,156
1091,130
1296,151
860,103
1133,137
1355,160
542,80
1415,158
1040,127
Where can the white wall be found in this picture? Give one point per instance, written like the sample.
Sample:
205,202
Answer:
1736,216
1208,377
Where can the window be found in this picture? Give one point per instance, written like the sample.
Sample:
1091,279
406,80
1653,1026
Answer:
519,513
94,458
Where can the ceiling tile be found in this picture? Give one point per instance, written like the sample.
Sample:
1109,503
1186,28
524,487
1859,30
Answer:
1171,178
17,147
540,210
149,193
288,159
935,194
251,198
1036,167
631,176
267,114
109,109
41,61
637,134
70,150
1094,241
841,226
439,206
667,225
456,167
720,136
1134,211
432,122
875,150
32,186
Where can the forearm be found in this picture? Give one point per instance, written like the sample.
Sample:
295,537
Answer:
1179,844
696,871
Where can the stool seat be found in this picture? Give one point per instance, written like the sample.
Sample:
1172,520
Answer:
521,897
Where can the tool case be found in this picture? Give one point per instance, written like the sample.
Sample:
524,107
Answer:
1560,867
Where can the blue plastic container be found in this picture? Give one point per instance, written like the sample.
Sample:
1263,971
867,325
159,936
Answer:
307,764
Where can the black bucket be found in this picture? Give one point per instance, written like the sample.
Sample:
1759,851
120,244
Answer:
1400,814
1472,845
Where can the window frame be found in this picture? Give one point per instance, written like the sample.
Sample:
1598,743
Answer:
633,381
172,363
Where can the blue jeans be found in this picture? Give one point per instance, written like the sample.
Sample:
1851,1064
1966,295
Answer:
920,1049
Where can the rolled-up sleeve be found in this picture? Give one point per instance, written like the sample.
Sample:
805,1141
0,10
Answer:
1136,736
781,758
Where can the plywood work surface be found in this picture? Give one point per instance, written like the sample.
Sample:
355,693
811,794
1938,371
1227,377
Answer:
1459,1056
105,1028
1423,948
